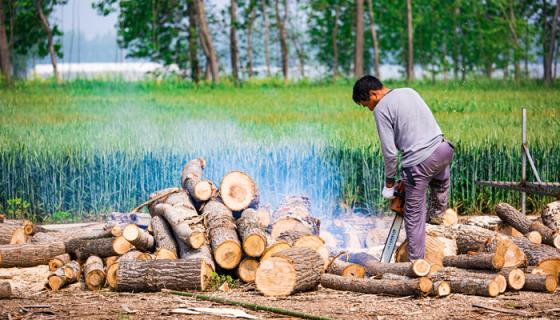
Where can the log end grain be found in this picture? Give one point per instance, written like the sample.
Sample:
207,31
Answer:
425,284
197,239
275,277
254,245
421,267
441,288
94,273
502,283
247,270
354,271
228,254
237,190
203,190
165,254
556,241
273,248
534,237
493,289
55,282
121,245
112,275
516,279
450,217
58,261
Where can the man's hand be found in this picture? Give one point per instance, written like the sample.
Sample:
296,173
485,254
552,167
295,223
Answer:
388,192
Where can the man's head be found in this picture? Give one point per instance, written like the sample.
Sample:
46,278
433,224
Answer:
368,91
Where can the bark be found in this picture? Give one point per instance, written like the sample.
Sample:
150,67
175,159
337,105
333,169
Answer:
238,191
292,236
247,269
205,253
274,247
253,237
50,41
281,25
43,237
191,179
374,39
540,283
551,216
413,287
520,222
82,249
6,232
334,42
29,254
345,269
294,213
359,40
206,39
289,271
166,247
481,261
5,290
150,276
465,282
418,268
193,40
114,267
185,222
234,51
550,48
59,261
410,50
63,276
139,238
222,235
5,59
536,253
266,36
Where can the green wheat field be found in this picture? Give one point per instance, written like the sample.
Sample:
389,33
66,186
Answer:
89,147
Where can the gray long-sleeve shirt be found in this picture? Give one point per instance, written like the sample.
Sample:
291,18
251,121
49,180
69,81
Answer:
406,124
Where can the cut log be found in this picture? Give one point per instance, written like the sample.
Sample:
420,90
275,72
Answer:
501,245
263,215
273,248
468,283
139,238
534,237
6,232
110,260
181,220
551,216
154,275
5,290
536,252
540,283
481,261
515,278
425,284
298,239
19,236
289,271
63,276
346,269
519,221
247,269
450,217
112,269
166,247
82,249
440,289
294,214
121,246
251,233
413,287
94,274
42,237
204,252
223,236
191,181
30,228
58,261
160,196
418,268
238,191
436,248
30,254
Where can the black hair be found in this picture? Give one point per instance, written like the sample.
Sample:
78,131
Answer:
363,86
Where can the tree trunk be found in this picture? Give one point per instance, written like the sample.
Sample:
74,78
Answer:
359,40
334,41
289,271
266,37
253,237
410,50
29,254
179,219
234,52
517,220
193,39
374,39
550,51
50,42
238,191
249,45
540,283
206,39
481,261
467,283
456,39
166,247
551,216
5,60
58,261
247,269
154,275
63,276
5,290
294,214
418,268
139,238
94,273
281,24
223,236
413,287
346,269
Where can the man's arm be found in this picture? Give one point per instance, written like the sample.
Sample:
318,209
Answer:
390,151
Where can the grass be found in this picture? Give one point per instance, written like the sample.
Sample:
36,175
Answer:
93,146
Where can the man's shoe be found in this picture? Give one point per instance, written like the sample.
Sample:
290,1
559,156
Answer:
437,220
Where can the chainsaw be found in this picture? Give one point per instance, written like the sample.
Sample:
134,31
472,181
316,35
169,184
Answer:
397,206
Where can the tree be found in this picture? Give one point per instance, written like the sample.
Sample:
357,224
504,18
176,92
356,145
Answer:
50,41
193,41
334,41
251,15
374,39
5,61
264,9
550,48
233,41
359,42
410,51
281,25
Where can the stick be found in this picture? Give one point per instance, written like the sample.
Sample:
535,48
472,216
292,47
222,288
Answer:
161,196
247,305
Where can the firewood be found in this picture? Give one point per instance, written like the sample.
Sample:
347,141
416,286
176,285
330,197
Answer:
289,271
238,191
418,268
181,220
103,247
299,239
191,181
154,275
166,247
30,228
251,233
436,248
515,278
482,261
42,237
59,261
5,290
551,216
263,215
536,252
515,218
294,214
274,247
139,238
160,196
450,217
63,276
534,237
19,236
467,282
111,269
6,232
247,269
224,241
413,287
94,273
29,254
540,283
440,289
204,252
346,269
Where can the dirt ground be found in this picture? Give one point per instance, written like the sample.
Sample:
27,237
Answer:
33,302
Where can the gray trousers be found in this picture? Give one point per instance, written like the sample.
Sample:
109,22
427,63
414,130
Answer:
432,173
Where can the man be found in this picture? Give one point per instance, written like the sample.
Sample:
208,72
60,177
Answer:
405,124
